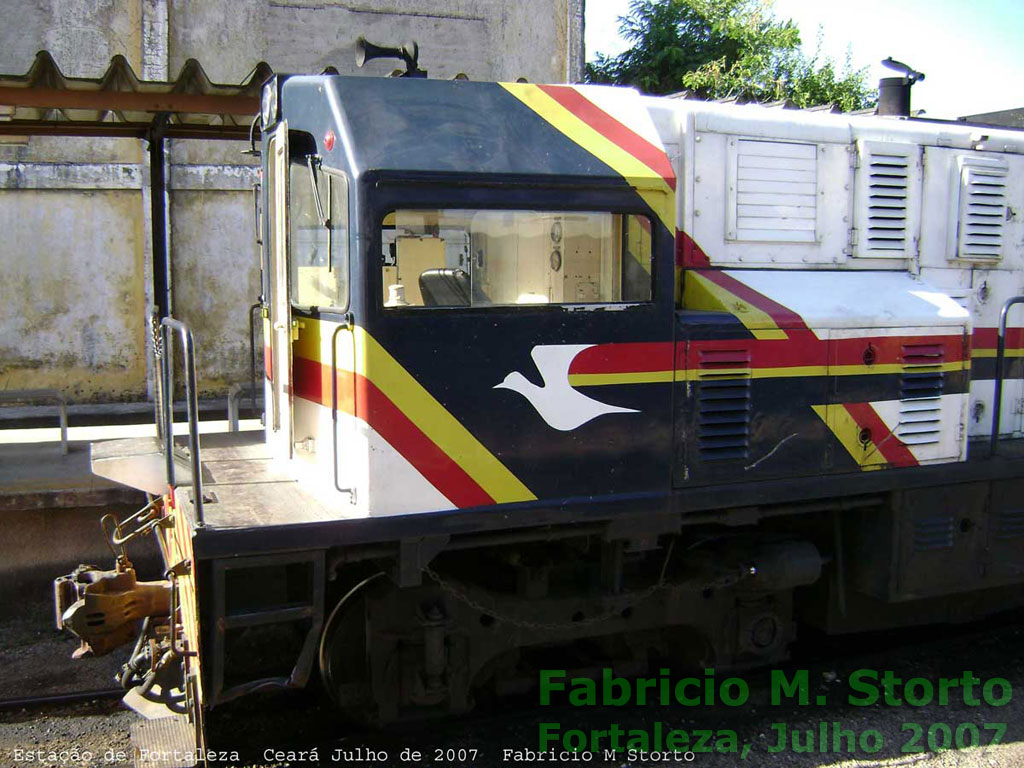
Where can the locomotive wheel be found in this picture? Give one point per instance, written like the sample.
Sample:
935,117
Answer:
344,661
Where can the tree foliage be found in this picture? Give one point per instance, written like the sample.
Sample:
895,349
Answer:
725,49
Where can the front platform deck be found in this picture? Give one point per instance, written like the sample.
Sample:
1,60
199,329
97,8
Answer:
242,485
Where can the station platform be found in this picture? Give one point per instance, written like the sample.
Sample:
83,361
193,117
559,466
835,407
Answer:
40,476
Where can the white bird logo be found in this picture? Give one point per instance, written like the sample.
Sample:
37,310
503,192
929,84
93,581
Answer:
561,406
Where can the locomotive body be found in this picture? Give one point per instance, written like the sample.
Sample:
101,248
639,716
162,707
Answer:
553,364
834,305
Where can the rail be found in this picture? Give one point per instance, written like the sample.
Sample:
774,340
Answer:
61,698
42,395
167,325
997,405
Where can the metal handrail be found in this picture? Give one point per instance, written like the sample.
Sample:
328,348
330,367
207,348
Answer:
167,325
1000,359
252,351
41,395
344,326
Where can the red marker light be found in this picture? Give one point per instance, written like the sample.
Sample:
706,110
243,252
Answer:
329,140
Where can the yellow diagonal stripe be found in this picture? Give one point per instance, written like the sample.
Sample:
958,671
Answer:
370,360
847,431
437,423
648,183
701,293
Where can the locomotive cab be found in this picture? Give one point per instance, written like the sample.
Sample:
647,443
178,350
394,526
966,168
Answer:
448,281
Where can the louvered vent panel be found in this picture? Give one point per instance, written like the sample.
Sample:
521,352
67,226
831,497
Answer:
723,404
982,211
934,532
887,201
921,387
1010,524
776,192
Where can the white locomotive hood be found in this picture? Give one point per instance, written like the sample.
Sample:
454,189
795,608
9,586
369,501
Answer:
857,299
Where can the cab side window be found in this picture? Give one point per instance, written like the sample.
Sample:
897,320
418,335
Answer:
472,258
318,237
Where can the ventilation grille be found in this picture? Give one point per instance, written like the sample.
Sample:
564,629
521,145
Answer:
1010,523
888,190
723,404
776,192
934,532
921,387
982,211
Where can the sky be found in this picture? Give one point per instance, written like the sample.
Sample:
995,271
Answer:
971,51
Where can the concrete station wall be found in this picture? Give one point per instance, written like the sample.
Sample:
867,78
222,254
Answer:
75,280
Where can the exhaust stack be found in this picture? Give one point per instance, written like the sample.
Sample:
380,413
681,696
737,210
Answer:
894,92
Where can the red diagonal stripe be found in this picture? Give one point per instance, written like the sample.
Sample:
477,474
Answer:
313,383
688,253
648,154
784,317
891,447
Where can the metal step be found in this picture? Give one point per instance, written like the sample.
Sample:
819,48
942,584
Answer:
169,742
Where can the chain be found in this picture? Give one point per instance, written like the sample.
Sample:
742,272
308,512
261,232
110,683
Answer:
635,599
158,339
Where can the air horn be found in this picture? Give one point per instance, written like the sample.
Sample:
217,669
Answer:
408,52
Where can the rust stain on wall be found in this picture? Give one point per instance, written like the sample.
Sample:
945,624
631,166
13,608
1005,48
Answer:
72,305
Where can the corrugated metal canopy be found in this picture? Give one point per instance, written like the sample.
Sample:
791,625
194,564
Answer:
44,101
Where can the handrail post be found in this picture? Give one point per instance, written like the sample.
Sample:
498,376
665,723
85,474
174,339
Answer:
233,394
192,405
252,352
62,404
234,397
347,325
38,396
1000,359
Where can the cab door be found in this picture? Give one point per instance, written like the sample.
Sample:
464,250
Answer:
278,387
529,344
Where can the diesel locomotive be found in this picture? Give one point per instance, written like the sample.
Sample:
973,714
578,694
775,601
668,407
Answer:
570,371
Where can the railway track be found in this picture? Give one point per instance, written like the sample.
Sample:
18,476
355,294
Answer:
26,702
